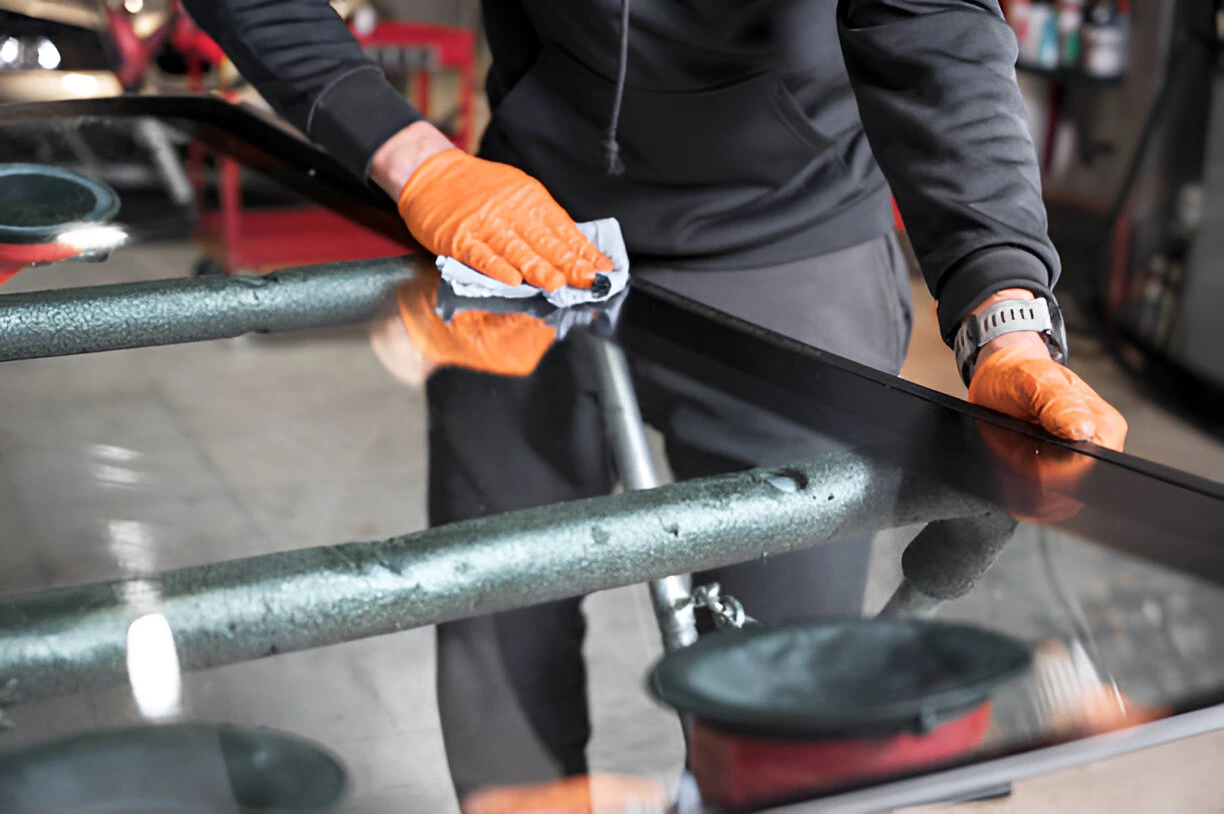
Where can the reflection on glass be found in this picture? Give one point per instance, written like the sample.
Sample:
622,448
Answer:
80,84
507,344
1070,698
616,794
305,436
432,326
112,475
48,55
1038,477
93,238
109,452
153,668
132,543
141,594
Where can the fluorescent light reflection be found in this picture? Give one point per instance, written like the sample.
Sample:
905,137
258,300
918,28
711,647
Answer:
93,238
153,668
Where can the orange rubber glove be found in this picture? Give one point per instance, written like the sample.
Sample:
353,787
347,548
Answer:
498,220
1022,381
503,344
1026,383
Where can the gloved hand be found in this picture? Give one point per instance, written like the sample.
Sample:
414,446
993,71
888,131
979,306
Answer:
1017,377
1024,382
413,340
498,220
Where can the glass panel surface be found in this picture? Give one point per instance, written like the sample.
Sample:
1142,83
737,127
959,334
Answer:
173,509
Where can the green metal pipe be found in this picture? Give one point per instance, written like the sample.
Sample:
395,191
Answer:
63,322
72,639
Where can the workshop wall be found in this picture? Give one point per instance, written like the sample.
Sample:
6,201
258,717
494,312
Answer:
1086,129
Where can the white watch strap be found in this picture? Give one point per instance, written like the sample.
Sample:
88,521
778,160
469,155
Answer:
1013,315
1002,318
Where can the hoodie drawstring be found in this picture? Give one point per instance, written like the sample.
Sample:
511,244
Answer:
611,145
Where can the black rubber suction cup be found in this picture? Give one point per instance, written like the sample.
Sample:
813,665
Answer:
176,769
845,679
39,202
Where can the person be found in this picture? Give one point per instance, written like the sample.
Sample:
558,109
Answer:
748,150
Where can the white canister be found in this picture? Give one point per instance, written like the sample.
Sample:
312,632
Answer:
1104,48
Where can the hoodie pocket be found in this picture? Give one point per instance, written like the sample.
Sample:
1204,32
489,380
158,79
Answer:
750,132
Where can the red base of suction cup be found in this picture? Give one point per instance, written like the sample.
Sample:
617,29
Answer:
16,256
734,771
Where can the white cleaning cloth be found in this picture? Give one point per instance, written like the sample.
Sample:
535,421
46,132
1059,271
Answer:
605,234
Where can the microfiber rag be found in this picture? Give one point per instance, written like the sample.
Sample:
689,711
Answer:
605,234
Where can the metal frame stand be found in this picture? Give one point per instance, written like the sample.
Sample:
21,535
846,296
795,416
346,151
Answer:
67,321
942,563
672,596
73,639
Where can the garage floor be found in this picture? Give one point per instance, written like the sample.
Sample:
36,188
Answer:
125,463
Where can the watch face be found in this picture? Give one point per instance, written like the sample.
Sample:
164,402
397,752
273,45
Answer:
965,346
1056,337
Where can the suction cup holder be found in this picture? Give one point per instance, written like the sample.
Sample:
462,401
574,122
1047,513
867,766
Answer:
48,214
865,678
39,203
192,768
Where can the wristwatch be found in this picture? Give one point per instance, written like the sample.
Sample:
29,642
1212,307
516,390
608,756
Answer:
1007,317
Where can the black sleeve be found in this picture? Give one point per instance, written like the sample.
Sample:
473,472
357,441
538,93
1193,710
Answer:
936,88
305,62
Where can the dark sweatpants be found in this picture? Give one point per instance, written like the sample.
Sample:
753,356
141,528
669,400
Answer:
512,686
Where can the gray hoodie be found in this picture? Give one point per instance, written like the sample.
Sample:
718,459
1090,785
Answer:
721,133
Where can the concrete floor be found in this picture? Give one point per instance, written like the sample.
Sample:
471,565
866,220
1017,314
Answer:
125,463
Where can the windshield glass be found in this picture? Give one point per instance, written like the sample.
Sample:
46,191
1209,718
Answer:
242,484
